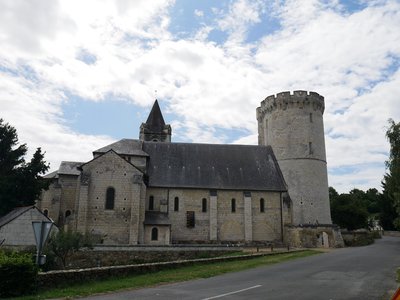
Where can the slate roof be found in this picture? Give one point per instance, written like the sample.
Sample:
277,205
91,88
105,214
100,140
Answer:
211,166
15,213
155,122
51,175
69,168
156,218
124,146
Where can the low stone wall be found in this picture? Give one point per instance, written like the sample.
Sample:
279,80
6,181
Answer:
360,237
314,236
391,233
101,255
60,278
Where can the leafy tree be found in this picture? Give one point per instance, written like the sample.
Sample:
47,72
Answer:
333,194
20,181
65,243
349,210
373,198
391,180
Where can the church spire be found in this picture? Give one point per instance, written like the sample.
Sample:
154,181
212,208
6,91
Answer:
155,128
155,120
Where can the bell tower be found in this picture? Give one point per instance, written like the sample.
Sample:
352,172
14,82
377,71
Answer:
155,129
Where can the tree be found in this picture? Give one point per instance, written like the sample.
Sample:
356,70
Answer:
349,211
20,182
65,243
391,180
333,194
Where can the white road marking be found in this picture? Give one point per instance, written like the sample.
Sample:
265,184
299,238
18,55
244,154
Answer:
234,292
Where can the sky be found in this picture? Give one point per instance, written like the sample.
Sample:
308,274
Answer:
77,75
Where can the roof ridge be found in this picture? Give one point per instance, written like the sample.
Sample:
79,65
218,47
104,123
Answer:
187,143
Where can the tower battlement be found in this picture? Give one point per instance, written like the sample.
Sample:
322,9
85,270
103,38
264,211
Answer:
287,100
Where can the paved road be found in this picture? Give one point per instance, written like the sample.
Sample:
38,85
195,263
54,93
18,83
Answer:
350,273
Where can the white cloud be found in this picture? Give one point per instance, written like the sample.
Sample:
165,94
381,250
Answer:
198,13
241,14
351,59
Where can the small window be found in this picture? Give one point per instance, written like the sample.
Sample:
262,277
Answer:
311,120
46,212
233,205
176,204
154,234
67,213
110,197
151,203
310,150
204,205
262,205
190,222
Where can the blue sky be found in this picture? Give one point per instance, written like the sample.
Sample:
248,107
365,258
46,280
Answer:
74,78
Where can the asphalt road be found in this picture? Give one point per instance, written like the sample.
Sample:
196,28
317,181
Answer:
349,273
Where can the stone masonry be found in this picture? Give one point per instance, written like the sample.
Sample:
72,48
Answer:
292,124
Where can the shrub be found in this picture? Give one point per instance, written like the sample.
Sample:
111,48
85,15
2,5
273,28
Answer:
18,274
362,239
64,244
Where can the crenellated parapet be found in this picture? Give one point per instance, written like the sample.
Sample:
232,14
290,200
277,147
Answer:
287,100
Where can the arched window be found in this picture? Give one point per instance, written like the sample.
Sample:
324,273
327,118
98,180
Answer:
110,197
176,204
151,203
154,234
46,212
233,205
262,205
204,205
67,214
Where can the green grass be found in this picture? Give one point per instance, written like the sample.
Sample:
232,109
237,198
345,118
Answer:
398,275
166,276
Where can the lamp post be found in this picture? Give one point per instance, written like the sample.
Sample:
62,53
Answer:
41,229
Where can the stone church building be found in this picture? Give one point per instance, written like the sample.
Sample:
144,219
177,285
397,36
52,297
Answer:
153,191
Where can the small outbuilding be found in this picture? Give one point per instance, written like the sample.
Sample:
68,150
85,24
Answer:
16,227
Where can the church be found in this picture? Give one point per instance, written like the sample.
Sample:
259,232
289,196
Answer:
156,192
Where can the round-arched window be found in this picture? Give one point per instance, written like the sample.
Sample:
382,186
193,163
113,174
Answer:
154,234
110,197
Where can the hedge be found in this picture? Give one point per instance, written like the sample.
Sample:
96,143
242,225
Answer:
18,274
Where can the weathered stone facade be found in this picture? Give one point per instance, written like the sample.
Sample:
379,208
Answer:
292,124
151,191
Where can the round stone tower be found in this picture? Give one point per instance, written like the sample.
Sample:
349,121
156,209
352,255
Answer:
292,124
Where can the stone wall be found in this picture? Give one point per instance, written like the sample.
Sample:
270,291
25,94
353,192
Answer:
119,225
218,223
314,236
51,200
391,233
57,278
163,235
107,255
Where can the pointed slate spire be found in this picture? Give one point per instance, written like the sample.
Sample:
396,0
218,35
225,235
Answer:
155,128
155,121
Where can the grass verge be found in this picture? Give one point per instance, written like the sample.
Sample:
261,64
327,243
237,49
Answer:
166,276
